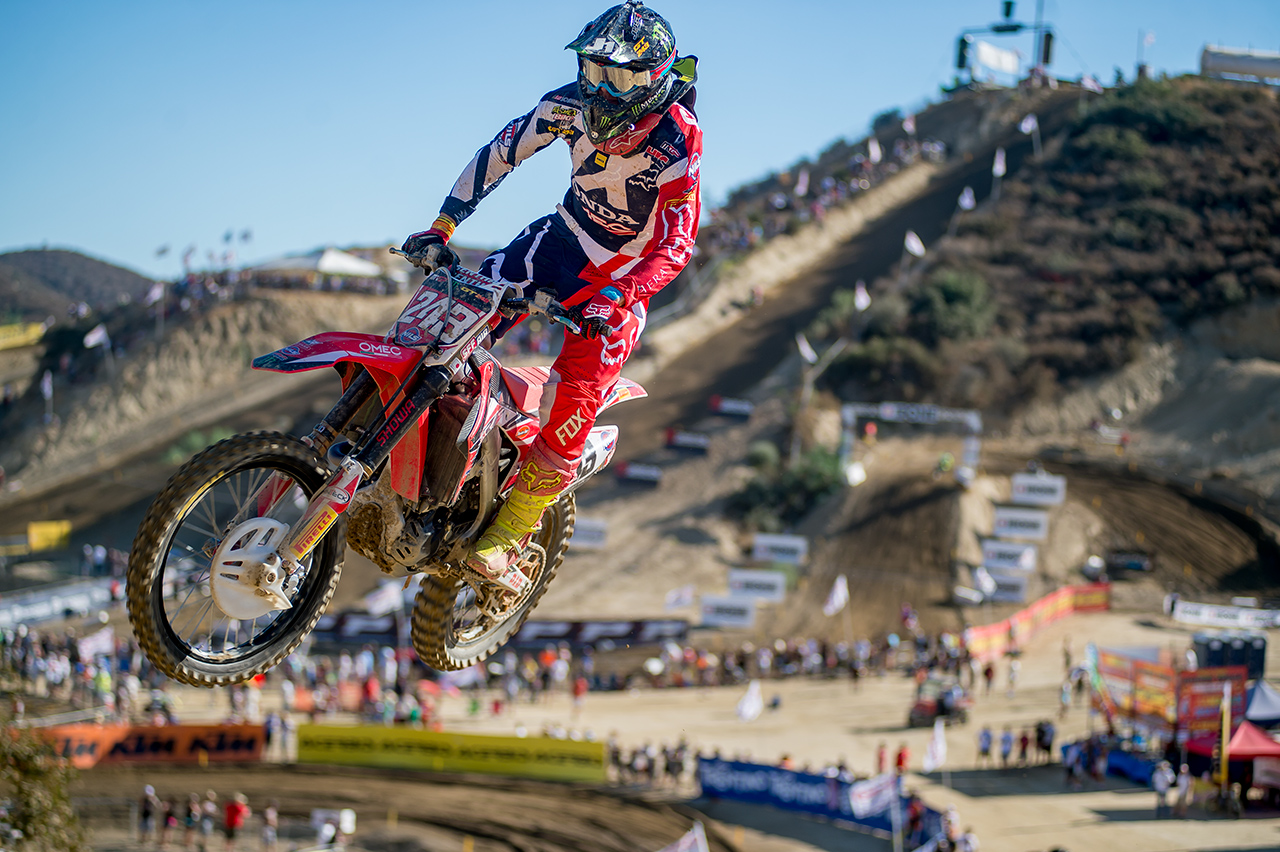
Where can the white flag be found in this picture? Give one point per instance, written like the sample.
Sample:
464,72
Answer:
861,298
1029,123
913,244
873,150
46,385
694,841
967,200
802,184
806,348
909,125
984,581
96,337
837,597
1090,84
155,294
1149,39
935,753
997,165
873,796
679,597
751,704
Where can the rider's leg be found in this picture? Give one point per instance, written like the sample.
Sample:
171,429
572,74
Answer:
587,370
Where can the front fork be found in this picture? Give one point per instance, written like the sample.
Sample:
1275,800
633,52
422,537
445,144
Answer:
333,498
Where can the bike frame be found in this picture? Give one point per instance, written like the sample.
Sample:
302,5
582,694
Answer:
408,380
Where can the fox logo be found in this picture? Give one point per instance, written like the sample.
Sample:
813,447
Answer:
571,427
538,479
614,352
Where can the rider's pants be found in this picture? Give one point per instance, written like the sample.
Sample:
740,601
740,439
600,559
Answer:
547,255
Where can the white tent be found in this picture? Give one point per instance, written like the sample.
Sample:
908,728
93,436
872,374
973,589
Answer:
329,261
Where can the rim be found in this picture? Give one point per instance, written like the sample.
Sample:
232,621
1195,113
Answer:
472,625
181,593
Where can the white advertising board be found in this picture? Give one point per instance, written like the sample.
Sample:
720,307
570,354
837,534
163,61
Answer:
1039,489
1011,586
1015,522
770,586
788,549
1009,555
589,534
728,611
1226,616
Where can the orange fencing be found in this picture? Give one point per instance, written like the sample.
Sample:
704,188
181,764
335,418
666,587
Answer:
989,641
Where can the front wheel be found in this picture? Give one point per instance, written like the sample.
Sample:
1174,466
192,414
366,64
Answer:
254,485
449,630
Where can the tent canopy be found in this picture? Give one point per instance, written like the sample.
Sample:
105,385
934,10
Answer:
1249,741
328,261
1263,705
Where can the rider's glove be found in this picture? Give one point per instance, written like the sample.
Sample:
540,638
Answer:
430,249
593,315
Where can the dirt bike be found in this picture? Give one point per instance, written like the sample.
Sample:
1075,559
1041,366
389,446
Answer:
239,555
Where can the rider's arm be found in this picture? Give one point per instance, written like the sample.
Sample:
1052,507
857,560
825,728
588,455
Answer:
675,223
520,139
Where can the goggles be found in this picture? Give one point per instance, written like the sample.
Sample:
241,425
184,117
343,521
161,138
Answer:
616,79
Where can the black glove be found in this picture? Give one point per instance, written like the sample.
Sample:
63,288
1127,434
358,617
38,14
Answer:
593,315
429,250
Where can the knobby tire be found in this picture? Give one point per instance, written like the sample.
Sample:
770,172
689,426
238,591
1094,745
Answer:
433,630
151,547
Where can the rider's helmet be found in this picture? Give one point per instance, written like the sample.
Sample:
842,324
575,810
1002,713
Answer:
624,68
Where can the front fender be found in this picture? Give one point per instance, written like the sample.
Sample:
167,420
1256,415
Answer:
332,347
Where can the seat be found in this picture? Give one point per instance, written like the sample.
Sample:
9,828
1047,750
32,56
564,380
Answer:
525,385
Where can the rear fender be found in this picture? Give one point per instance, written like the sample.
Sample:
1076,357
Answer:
623,390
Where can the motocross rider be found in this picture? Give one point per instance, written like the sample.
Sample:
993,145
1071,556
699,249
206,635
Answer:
625,229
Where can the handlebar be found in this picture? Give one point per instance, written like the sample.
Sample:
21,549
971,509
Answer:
543,303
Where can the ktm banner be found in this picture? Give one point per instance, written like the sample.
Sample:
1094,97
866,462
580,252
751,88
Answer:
406,748
88,745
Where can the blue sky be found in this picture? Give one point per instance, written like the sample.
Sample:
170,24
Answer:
132,125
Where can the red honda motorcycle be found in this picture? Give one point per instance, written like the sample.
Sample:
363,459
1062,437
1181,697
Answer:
239,555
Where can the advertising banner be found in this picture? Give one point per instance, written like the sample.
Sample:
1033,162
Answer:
589,534
794,791
1226,616
17,335
1155,702
728,611
769,586
1200,698
1116,671
1009,555
989,641
789,549
1016,522
580,634
1039,489
1011,586
543,758
88,745
76,596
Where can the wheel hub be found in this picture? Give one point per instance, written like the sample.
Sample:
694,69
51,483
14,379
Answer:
247,578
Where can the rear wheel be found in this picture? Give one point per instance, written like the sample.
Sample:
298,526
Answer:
450,631
215,508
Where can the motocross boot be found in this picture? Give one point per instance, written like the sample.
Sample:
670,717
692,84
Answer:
540,482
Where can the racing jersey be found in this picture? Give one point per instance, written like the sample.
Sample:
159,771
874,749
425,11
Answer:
635,215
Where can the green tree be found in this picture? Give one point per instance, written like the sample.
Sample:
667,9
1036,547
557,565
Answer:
954,305
36,782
